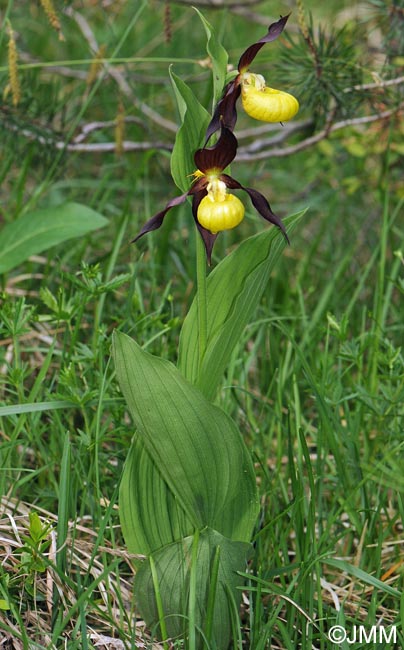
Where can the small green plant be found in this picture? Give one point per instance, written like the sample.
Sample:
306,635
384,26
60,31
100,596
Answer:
36,543
31,563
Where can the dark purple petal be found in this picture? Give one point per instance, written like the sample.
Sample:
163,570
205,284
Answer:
208,237
225,113
200,184
156,221
251,52
218,156
259,202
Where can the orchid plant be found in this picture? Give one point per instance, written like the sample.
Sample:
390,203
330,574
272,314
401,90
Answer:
188,497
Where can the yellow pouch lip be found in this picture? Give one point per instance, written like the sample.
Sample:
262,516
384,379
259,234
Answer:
217,216
268,104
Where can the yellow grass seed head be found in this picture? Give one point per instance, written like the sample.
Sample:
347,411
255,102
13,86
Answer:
119,129
301,19
96,65
14,82
52,17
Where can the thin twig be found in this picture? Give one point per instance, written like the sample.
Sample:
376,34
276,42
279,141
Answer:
252,16
314,139
155,117
254,151
377,84
84,28
262,129
89,128
96,147
127,145
218,4
282,134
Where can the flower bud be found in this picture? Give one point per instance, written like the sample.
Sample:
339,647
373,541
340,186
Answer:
217,215
264,103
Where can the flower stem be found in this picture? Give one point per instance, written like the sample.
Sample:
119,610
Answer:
201,298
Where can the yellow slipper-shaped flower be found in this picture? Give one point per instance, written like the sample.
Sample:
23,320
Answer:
259,101
216,216
264,103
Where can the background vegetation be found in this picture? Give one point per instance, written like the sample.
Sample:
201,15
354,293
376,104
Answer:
317,385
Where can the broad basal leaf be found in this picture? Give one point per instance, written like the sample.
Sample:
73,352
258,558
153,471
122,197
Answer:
151,516
173,565
234,289
195,446
35,232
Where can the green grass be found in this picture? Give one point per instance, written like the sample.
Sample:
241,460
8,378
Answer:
316,384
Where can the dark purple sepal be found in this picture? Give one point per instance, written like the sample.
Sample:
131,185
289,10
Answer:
225,113
208,237
156,221
259,202
220,155
274,30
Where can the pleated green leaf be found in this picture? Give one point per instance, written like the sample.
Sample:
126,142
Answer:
190,135
195,446
37,231
218,56
174,565
234,289
150,515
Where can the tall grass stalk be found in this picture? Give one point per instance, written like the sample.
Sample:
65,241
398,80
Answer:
378,308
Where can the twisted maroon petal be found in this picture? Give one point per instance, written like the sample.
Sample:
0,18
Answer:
208,237
218,156
274,30
259,202
156,221
225,113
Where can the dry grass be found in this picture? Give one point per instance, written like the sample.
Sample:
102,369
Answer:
110,619
108,607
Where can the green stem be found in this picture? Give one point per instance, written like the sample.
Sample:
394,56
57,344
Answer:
201,298
159,602
193,579
210,607
378,326
108,274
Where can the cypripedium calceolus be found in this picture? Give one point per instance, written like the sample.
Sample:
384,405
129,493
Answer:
259,100
215,209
